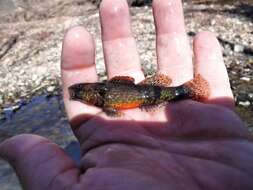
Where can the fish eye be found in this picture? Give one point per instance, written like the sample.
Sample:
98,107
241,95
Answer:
79,86
76,86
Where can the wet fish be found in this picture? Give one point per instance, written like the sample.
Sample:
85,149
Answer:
122,93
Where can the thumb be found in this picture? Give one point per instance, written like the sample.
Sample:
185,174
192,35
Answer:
39,163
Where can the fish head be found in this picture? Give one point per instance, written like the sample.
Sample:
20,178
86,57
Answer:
90,93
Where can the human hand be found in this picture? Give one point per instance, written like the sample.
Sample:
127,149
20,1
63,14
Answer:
184,145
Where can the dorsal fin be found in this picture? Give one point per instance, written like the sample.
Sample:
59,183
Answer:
158,79
122,79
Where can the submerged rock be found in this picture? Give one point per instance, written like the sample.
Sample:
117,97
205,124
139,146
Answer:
238,48
245,104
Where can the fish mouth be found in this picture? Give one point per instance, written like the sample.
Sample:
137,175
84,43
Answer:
72,93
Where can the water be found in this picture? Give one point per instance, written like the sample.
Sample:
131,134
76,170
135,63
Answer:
43,115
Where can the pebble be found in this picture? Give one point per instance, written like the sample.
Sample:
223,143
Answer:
22,72
245,79
50,88
213,22
34,77
12,108
238,48
245,104
1,100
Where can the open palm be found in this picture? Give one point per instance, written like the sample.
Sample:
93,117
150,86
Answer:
183,145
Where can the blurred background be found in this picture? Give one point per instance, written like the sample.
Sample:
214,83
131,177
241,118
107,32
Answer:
31,33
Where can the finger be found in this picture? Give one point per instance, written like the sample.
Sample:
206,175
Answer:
172,45
78,66
39,163
209,63
120,51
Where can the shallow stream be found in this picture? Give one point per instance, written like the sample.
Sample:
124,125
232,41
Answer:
43,115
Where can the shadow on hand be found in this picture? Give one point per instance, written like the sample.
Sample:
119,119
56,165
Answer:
187,120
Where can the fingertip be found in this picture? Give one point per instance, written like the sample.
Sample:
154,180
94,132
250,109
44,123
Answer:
209,63
119,47
78,49
12,148
115,19
207,40
78,65
112,8
174,56
38,162
169,17
205,35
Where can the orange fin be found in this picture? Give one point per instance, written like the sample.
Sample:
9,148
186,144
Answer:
122,79
158,79
199,88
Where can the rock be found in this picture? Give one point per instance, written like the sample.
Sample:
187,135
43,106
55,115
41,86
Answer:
50,88
245,104
6,6
245,79
213,22
139,2
1,100
238,48
12,108
130,2
7,44
34,77
250,95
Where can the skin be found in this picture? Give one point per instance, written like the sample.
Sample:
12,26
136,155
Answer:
184,145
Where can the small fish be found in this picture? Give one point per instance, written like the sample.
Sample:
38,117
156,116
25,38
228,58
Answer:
122,93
